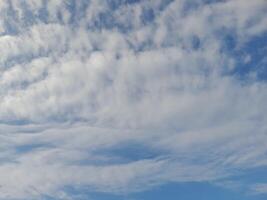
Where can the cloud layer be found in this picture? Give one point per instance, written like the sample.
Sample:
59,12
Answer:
120,96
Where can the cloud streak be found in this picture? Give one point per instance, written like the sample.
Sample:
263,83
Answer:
84,85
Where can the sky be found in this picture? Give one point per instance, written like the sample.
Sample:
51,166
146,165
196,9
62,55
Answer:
133,99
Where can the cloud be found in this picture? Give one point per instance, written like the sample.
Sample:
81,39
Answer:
260,188
82,82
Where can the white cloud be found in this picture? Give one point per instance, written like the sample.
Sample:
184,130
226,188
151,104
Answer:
81,89
260,188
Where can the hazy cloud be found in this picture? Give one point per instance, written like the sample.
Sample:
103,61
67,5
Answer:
120,96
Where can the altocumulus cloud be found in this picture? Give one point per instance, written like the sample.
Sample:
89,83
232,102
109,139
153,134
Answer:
120,96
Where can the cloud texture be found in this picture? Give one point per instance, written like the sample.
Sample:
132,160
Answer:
119,96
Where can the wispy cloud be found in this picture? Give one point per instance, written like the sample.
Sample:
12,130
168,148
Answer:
85,84
259,188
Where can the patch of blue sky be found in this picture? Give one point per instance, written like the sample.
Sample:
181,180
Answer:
249,57
42,13
106,20
251,176
10,23
21,149
77,11
170,191
131,151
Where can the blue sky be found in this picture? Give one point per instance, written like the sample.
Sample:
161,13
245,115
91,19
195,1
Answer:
133,99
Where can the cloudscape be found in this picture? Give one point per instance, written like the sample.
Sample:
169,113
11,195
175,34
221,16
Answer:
133,99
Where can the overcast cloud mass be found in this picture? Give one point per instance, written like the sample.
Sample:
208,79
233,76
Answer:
123,96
